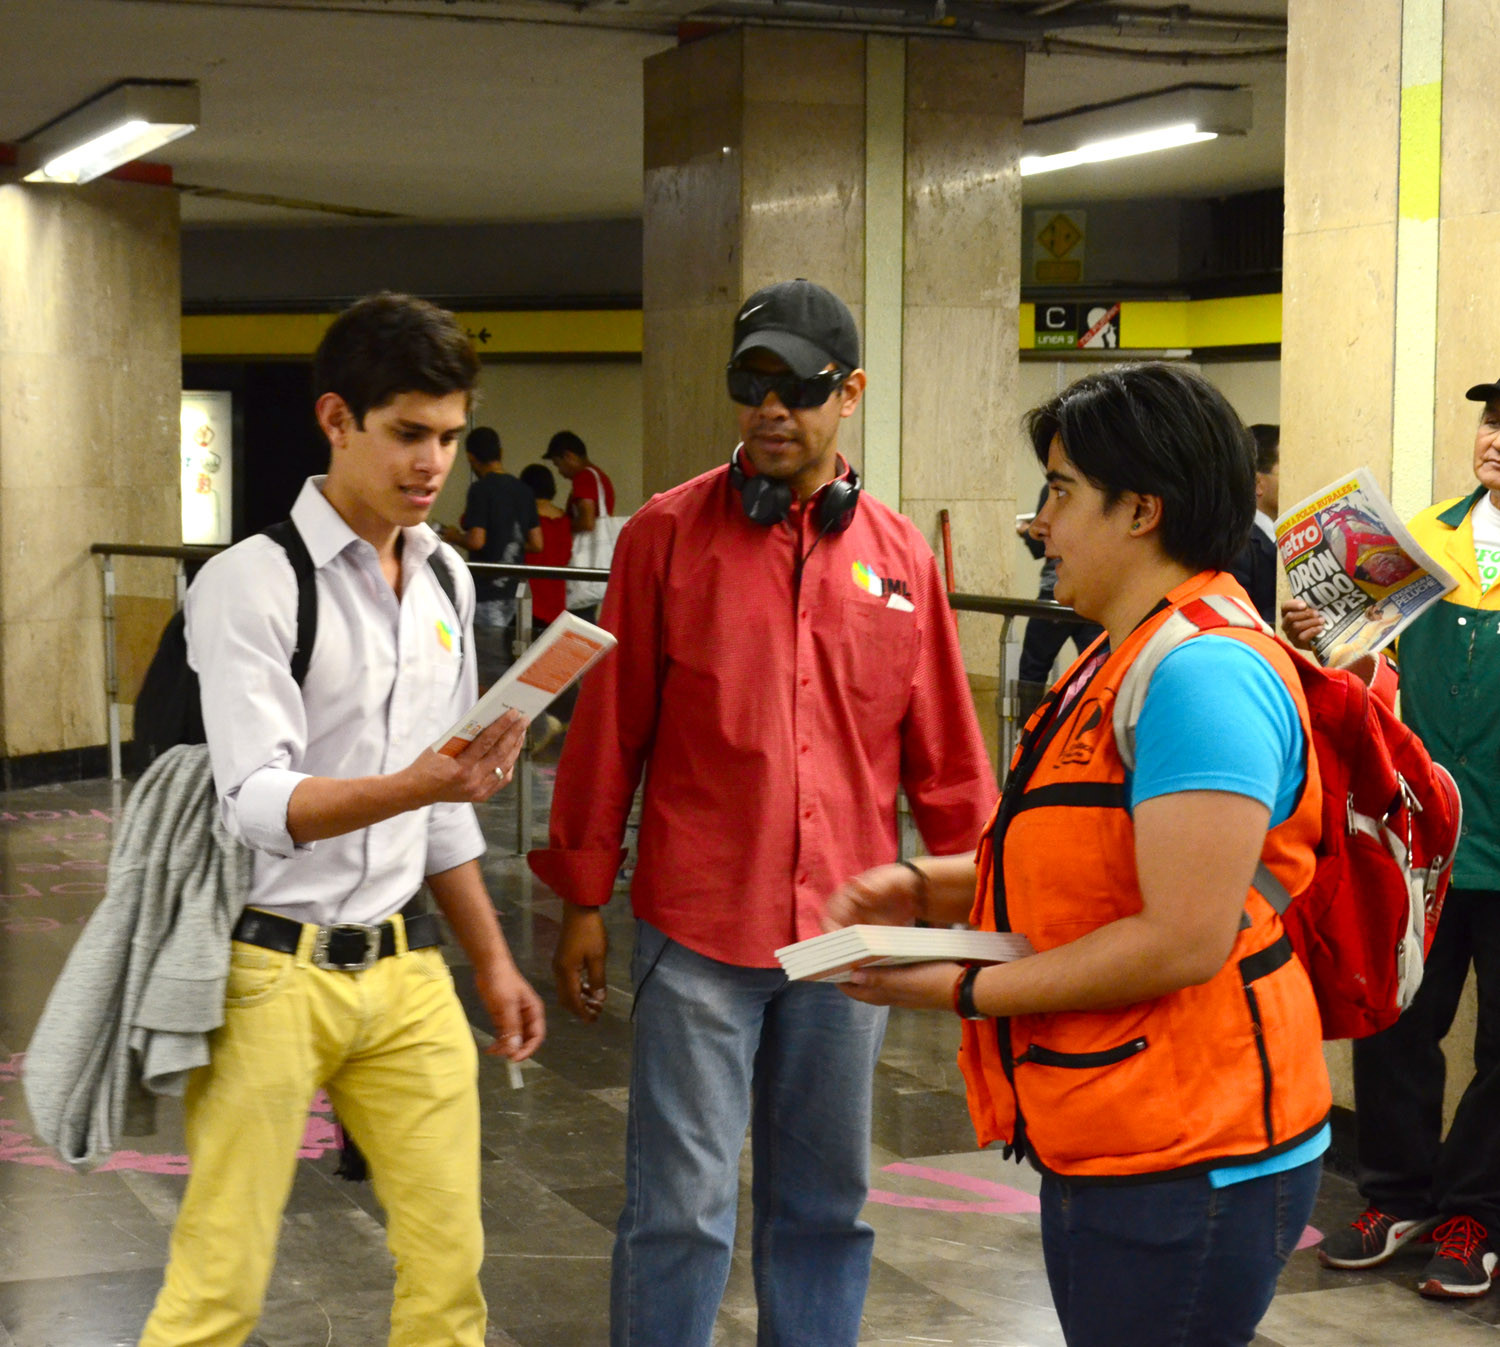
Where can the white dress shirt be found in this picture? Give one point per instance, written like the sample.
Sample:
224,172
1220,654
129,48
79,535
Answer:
386,679
1265,524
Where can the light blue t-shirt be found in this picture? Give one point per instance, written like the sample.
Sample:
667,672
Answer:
1218,717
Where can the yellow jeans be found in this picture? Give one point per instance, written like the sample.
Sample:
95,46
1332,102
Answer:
393,1049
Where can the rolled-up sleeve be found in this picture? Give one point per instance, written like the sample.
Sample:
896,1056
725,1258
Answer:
453,837
240,627
256,812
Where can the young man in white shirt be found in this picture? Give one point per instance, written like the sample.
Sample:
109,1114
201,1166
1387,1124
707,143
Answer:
334,786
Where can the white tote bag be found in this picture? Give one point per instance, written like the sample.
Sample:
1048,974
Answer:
594,550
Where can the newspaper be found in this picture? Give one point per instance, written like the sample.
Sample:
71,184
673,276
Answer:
1349,556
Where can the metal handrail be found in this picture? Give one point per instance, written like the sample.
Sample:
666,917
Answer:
491,568
107,552
1003,607
1007,609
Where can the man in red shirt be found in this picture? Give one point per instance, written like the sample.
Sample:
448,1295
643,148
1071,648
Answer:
787,660
587,481
592,496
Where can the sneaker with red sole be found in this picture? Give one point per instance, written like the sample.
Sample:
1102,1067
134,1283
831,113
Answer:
1464,1262
1370,1239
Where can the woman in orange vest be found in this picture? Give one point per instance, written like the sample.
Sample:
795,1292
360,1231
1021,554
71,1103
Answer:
1159,1058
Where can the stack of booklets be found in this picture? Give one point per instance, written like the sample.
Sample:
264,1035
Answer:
828,958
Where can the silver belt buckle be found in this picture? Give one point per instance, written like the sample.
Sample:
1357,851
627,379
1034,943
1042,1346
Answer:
369,934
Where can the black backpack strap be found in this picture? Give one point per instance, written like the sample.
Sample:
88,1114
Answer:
444,578
285,534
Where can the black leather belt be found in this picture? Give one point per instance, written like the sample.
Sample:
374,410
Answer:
344,948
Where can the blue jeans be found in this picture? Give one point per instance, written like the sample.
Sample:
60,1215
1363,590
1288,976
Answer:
718,1047
1170,1264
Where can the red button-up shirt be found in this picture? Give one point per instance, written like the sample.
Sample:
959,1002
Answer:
774,720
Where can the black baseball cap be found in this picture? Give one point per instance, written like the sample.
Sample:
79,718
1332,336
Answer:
1484,392
806,325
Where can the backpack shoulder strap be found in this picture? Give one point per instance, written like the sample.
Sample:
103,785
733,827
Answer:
1210,613
1206,614
444,577
285,534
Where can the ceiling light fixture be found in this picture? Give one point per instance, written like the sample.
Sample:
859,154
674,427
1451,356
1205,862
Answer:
124,122
1117,147
1186,114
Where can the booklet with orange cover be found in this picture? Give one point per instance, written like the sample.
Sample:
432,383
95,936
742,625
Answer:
560,656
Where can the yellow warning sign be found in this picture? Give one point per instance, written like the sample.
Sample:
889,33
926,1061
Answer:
1058,271
1059,236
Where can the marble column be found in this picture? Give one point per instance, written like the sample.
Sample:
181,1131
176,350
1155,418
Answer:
754,163
1468,289
1389,289
961,443
885,169
90,378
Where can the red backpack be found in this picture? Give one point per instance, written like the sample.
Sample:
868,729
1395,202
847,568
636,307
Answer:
1391,815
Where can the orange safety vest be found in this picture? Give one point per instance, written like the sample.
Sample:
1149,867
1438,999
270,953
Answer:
1228,1070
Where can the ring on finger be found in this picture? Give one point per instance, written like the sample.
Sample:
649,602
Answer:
500,772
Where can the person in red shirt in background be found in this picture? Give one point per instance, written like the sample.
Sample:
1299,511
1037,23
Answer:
549,597
586,480
591,494
787,660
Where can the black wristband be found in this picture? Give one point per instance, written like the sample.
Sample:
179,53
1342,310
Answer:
926,884
965,1000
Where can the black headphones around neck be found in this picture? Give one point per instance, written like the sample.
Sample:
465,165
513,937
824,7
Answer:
768,501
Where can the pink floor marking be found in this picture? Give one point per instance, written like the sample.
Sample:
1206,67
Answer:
20,1148
1003,1199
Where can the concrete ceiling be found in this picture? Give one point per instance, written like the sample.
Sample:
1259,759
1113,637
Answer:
510,110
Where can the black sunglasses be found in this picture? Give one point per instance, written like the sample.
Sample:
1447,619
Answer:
751,386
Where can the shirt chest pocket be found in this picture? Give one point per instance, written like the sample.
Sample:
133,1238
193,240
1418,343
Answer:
427,676
443,676
875,647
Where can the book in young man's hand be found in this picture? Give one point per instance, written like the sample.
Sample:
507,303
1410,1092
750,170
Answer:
830,957
560,656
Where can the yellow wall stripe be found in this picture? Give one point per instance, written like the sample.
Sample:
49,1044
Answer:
1421,150
1168,325
1145,325
1419,183
1028,326
578,332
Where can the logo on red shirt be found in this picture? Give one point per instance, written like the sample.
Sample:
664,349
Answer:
881,586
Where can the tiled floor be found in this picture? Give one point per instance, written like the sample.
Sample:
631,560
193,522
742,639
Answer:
958,1259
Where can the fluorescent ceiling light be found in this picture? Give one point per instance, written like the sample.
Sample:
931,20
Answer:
1117,147
124,122
130,140
1182,115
